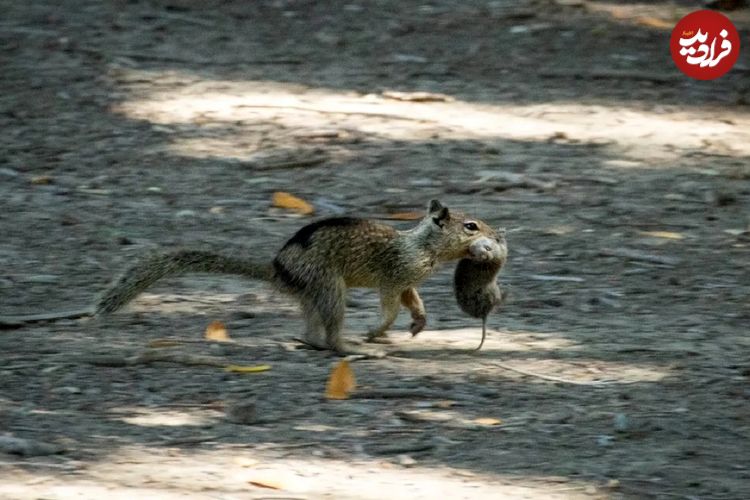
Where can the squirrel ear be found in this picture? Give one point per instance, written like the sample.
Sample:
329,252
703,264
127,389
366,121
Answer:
438,212
434,206
501,231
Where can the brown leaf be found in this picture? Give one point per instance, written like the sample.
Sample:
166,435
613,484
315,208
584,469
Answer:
269,483
216,330
669,235
41,179
341,382
489,421
290,202
654,22
445,404
417,96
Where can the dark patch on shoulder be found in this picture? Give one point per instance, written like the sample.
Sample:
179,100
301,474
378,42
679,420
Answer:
285,277
303,236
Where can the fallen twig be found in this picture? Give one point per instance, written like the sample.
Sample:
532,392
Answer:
539,200
291,163
616,222
154,356
19,321
549,277
40,464
187,440
398,449
172,341
417,96
140,56
559,379
406,394
337,112
609,74
632,254
397,394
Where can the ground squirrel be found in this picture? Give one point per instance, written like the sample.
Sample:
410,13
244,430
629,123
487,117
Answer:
475,283
324,258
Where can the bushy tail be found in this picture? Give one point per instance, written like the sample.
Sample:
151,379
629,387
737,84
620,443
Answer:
156,266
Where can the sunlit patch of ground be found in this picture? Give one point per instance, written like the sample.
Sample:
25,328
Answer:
547,355
635,134
234,473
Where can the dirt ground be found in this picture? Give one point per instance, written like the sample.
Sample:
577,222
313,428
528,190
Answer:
624,186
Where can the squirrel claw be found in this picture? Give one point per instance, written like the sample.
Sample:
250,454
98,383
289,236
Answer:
417,325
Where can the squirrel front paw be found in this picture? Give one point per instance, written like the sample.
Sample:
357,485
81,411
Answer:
417,325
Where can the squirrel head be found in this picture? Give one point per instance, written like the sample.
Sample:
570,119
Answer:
452,234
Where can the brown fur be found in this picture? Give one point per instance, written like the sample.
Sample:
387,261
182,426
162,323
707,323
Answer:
323,259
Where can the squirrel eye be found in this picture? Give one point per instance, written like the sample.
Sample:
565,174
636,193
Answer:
471,226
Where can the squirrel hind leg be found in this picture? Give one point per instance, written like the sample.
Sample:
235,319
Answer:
323,306
313,325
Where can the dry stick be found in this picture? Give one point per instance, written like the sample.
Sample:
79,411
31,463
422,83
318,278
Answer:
399,449
631,254
540,200
300,162
18,321
164,58
406,394
154,344
559,379
173,357
154,357
188,440
637,224
614,74
40,464
339,112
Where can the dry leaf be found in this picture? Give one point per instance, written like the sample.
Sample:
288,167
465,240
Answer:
341,382
216,331
417,96
445,404
669,235
560,230
247,369
405,216
291,202
654,22
164,343
41,179
269,483
487,421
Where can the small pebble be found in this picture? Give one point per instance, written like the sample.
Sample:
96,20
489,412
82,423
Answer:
242,412
406,461
620,422
605,440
